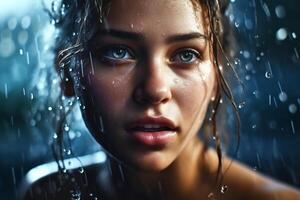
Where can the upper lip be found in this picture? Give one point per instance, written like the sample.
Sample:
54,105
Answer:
152,123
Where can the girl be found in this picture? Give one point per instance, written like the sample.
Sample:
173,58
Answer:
146,73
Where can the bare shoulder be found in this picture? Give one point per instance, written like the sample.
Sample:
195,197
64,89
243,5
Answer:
248,184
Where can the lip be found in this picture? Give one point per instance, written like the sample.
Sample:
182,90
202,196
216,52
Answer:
152,131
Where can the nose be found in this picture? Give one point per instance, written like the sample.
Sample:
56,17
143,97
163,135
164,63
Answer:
153,85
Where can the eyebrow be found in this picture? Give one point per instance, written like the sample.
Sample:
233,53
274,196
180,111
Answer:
137,36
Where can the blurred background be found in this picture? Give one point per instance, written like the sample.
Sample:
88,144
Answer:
268,63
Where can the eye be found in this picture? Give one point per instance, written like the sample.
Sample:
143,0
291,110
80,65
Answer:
117,53
186,56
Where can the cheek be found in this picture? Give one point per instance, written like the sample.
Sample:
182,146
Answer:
196,91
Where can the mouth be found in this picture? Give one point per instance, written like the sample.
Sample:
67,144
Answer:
152,132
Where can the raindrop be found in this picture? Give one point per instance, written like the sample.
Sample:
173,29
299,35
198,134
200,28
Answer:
66,127
50,108
293,108
236,24
246,54
293,127
81,170
21,51
268,75
242,104
281,34
13,175
25,22
254,126
249,66
27,58
283,96
55,136
31,96
294,35
280,11
12,23
69,152
270,100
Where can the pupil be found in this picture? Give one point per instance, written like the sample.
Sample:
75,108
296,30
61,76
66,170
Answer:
187,56
119,53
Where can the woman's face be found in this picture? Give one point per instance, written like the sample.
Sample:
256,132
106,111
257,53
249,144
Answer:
148,81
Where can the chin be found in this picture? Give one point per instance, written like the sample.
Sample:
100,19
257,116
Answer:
150,161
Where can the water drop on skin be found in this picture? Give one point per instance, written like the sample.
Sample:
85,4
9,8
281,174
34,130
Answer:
224,188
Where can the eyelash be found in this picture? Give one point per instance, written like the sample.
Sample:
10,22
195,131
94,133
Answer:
110,54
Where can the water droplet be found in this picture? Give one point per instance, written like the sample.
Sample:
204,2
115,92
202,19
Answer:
69,152
66,127
280,11
293,108
254,126
283,96
236,24
21,51
241,105
55,136
281,34
49,108
294,35
268,75
81,170
224,188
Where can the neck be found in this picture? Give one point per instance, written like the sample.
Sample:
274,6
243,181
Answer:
186,176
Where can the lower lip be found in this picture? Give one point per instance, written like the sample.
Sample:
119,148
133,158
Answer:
153,139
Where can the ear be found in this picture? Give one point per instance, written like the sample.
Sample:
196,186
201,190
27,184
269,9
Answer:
66,84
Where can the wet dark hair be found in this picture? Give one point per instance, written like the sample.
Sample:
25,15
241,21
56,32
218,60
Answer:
77,21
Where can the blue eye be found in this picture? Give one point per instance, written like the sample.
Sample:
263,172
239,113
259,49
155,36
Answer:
186,56
117,53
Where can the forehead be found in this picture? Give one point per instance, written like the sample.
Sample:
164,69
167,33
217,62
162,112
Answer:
163,16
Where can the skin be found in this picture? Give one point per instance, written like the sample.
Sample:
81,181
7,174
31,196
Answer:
153,79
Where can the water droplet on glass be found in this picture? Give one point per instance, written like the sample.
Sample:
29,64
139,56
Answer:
49,108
